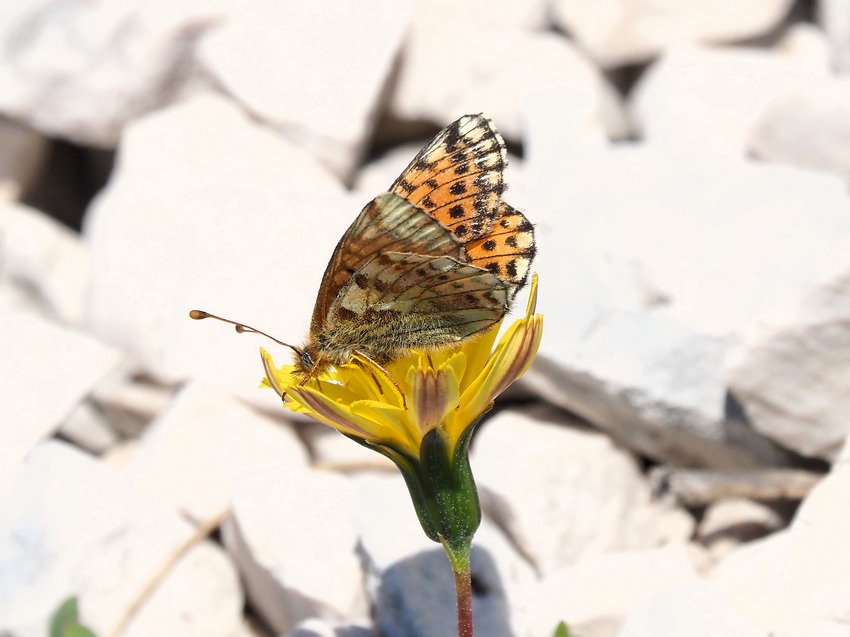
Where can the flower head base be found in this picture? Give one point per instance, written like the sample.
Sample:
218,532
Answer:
420,411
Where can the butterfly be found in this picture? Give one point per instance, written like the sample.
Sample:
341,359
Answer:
432,262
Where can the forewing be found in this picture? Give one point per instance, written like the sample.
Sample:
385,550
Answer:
388,223
397,302
507,250
457,178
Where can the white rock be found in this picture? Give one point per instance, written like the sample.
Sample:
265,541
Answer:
120,456
321,628
386,523
316,75
807,127
791,373
85,71
795,583
649,381
834,16
731,522
693,610
46,371
87,427
190,454
498,71
329,449
47,257
646,311
72,528
22,152
129,401
291,532
565,493
710,99
615,32
738,515
528,16
806,43
595,595
241,223
201,597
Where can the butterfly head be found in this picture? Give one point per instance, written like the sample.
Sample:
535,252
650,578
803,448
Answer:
306,359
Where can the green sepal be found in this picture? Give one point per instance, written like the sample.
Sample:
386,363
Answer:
441,486
450,488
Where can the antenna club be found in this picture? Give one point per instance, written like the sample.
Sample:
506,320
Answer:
241,328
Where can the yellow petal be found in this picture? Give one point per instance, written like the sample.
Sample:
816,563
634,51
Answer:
392,425
337,415
512,358
433,393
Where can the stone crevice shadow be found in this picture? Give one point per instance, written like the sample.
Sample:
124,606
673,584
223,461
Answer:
416,597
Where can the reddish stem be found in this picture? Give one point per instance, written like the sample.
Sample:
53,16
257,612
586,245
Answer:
463,587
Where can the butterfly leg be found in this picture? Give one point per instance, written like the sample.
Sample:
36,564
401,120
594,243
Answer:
314,371
384,371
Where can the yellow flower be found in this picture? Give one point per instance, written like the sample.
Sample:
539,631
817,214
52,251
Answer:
396,405
420,411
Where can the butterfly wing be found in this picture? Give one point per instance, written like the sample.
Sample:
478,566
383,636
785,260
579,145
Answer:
506,250
388,223
457,178
397,302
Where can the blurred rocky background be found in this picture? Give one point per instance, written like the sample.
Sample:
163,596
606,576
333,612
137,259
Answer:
674,465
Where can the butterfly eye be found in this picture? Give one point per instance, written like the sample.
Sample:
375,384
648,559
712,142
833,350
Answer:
306,360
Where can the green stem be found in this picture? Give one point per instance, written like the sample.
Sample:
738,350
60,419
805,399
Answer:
459,557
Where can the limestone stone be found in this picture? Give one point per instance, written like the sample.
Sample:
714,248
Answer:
292,535
794,583
617,32
22,152
711,98
695,609
47,371
498,71
85,71
232,227
87,428
834,16
806,127
129,400
595,595
48,258
648,316
320,628
565,493
280,61
791,371
75,529
190,454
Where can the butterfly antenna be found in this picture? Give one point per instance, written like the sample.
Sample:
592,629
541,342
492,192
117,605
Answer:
241,328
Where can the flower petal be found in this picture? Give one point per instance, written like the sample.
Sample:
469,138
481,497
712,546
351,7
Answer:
392,425
433,393
513,356
337,415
